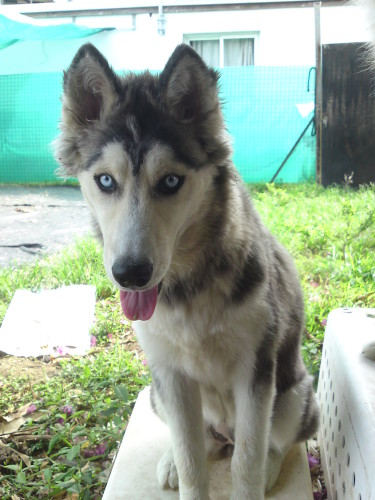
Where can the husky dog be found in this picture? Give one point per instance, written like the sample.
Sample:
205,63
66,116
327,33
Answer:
217,298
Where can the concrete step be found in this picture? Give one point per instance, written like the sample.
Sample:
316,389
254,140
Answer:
133,475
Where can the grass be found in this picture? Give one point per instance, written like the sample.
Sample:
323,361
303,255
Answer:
330,234
79,412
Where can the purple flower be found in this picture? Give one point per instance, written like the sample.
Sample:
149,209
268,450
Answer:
92,341
320,495
88,452
96,451
30,409
313,461
100,448
144,362
61,421
324,322
61,351
67,409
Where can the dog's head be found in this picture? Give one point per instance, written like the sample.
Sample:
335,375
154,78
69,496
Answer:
147,152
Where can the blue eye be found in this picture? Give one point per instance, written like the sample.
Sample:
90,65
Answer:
106,183
170,184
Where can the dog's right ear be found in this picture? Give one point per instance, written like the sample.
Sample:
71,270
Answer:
90,87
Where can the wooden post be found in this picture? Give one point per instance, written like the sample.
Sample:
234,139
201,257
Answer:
318,92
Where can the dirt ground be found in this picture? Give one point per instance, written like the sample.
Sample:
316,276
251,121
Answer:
35,370
36,221
51,218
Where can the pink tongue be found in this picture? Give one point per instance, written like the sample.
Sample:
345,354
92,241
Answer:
139,305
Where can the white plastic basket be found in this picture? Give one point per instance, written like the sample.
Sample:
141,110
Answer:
346,394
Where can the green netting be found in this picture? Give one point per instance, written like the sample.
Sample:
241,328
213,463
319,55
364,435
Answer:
263,118
260,110
30,111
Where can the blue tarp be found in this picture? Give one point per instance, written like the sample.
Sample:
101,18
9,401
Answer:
20,28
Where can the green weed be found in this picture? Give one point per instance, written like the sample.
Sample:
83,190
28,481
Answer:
330,233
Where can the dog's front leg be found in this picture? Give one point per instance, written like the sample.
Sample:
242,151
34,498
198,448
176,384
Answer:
181,400
253,405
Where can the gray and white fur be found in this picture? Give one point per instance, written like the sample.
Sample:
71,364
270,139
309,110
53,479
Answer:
154,161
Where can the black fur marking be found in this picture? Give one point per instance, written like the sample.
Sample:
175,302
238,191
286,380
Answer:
203,277
289,369
287,373
265,361
153,126
93,159
247,280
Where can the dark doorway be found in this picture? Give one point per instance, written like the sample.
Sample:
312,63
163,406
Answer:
348,115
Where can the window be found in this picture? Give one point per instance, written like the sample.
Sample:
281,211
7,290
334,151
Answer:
224,50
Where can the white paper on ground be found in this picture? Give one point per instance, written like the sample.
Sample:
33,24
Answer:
49,322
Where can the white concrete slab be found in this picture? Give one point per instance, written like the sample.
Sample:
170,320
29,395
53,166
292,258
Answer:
134,472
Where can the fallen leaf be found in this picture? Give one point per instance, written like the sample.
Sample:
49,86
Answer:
19,413
10,426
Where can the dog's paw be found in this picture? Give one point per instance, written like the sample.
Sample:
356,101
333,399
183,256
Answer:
167,471
273,466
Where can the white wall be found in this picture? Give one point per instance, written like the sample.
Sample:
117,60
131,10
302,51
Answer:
285,37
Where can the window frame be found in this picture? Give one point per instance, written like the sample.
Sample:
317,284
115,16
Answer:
201,37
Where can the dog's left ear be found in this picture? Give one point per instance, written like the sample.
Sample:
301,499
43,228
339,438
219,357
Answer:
188,86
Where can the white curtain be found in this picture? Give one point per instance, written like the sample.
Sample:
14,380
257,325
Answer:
239,52
209,50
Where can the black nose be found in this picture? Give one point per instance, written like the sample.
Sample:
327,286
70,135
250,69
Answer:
132,274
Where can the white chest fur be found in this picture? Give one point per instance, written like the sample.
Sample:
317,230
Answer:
202,341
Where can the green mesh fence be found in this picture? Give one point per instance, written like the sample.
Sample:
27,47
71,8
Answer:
30,110
263,117
261,107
